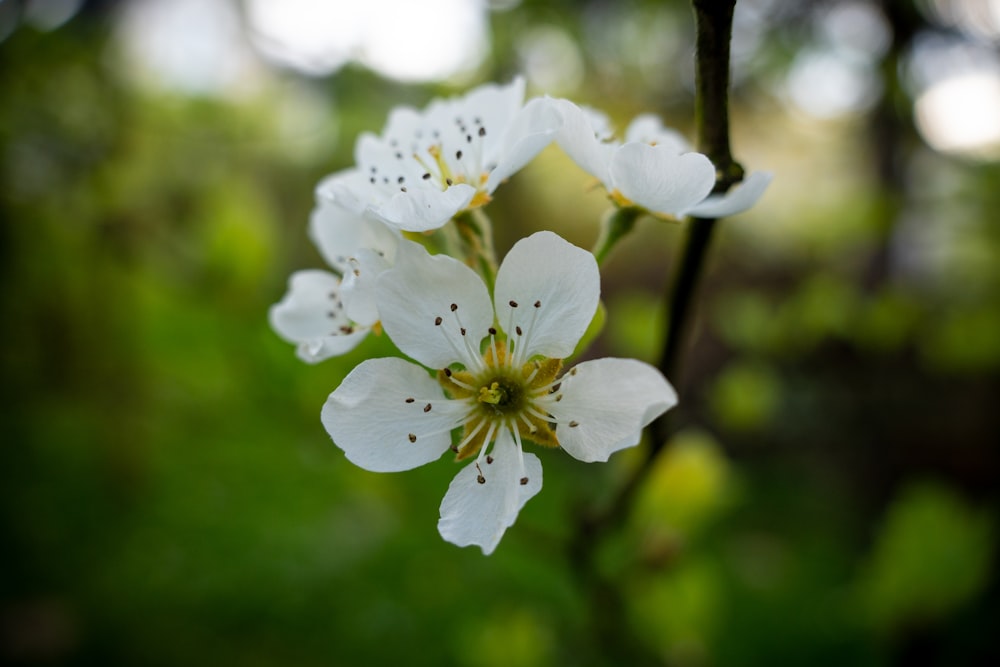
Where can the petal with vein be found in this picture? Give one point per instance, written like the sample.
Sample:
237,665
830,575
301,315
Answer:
564,279
737,200
479,514
370,418
418,292
611,401
311,315
423,209
660,180
578,140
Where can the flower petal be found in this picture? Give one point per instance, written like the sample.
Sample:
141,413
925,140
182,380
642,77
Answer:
610,401
649,129
737,200
474,513
660,180
426,303
578,138
424,209
349,188
379,416
311,314
531,130
358,288
562,279
339,232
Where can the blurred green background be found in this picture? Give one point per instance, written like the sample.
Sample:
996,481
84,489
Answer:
169,496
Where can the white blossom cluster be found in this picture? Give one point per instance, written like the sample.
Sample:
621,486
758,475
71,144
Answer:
489,347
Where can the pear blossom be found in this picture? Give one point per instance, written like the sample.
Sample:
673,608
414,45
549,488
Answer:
654,168
327,314
427,166
497,382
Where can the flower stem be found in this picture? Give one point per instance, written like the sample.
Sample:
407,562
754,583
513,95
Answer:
617,223
714,20
476,231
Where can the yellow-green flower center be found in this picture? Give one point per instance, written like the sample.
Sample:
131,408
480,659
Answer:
502,396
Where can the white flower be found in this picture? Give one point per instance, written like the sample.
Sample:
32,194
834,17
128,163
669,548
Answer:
325,314
654,168
429,165
498,381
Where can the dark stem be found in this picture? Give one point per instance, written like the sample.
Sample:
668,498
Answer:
714,20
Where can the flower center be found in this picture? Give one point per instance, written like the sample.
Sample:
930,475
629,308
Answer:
501,395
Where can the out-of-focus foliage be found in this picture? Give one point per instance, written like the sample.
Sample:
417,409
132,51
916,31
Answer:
170,497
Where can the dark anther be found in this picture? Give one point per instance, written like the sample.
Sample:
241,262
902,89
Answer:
572,371
458,155
400,179
481,479
482,131
447,372
372,180
426,176
489,460
524,481
454,307
493,331
427,408
468,138
513,304
538,304
574,424
437,321
518,330
402,189
555,388
399,156
449,181
346,329
462,330
410,400
413,437
454,449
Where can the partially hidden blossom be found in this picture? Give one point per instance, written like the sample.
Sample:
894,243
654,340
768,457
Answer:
327,314
428,166
654,168
497,381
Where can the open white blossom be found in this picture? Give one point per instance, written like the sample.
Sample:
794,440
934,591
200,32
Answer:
654,168
427,166
498,383
326,314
